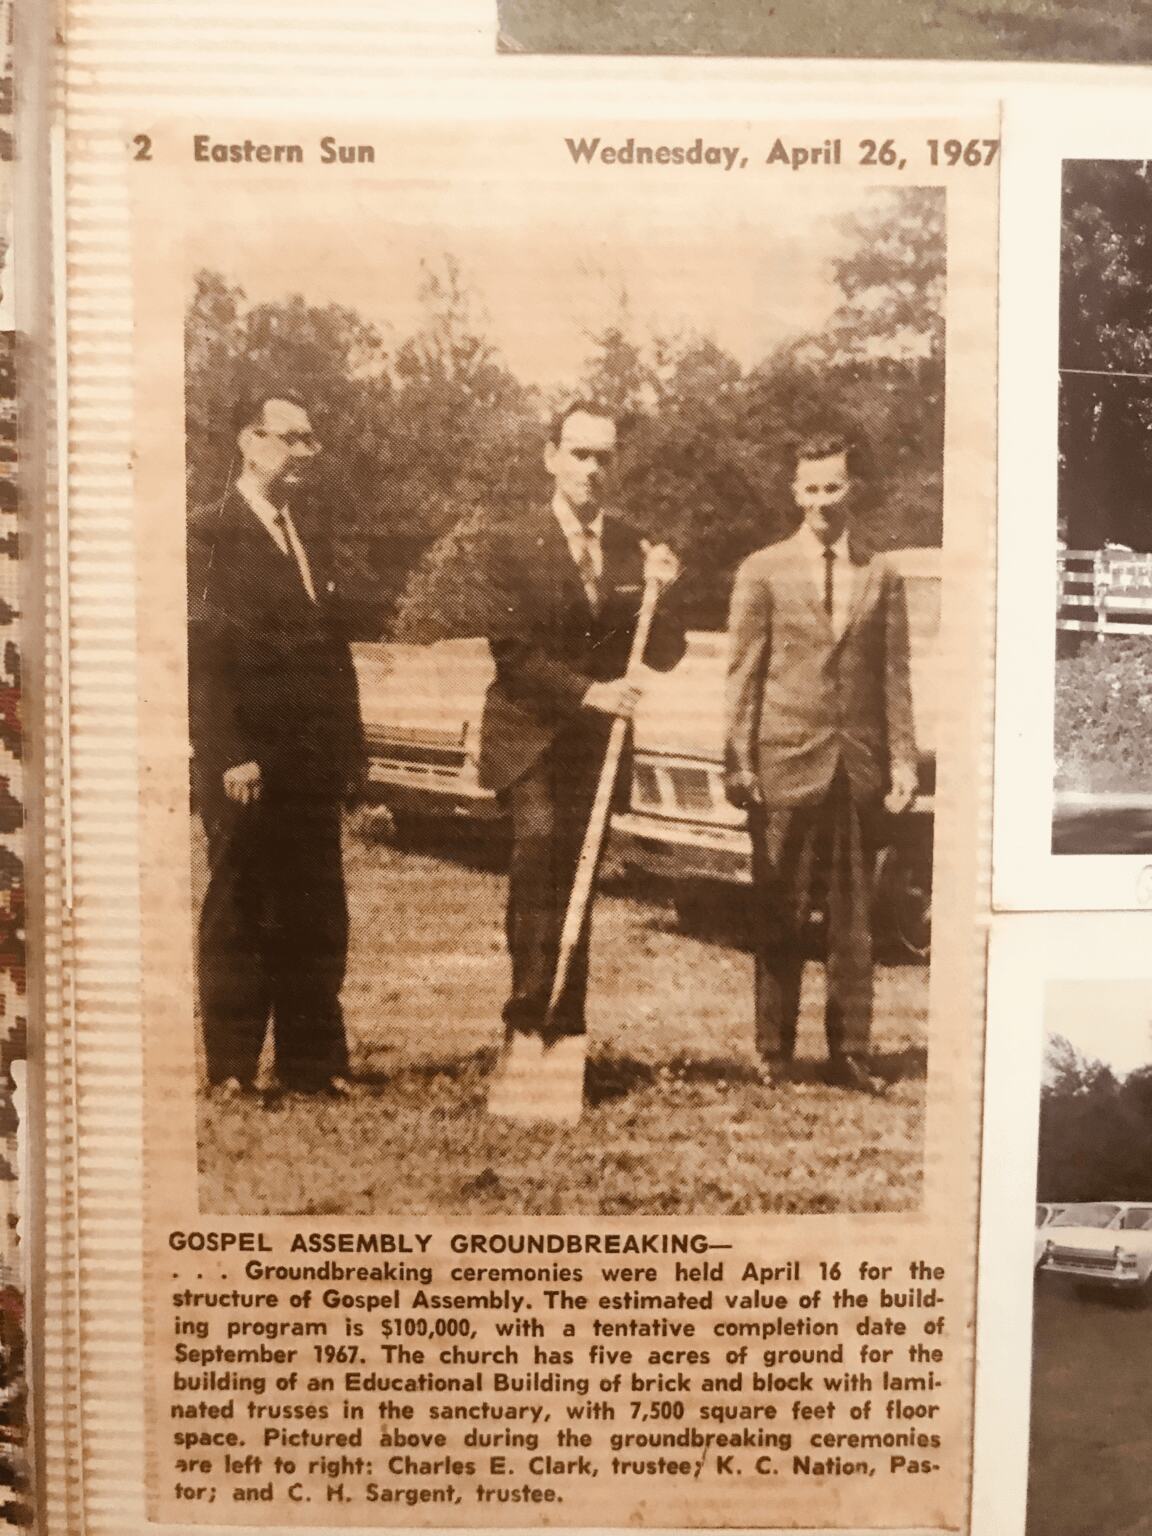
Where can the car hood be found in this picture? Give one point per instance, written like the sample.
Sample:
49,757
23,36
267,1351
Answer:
1098,1239
426,688
682,711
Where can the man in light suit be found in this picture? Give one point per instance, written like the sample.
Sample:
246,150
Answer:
563,585
819,743
277,750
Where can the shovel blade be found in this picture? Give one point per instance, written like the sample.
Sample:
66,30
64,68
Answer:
538,1083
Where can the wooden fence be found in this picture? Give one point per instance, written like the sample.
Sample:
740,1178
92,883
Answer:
1104,592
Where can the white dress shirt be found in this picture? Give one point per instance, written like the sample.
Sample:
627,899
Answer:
582,537
843,574
283,534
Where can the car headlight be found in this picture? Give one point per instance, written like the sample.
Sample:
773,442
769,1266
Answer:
1125,1260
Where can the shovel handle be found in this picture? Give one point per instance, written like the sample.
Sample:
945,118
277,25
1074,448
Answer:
596,832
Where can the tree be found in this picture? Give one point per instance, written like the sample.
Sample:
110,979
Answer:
430,441
884,357
621,372
1095,1130
1105,351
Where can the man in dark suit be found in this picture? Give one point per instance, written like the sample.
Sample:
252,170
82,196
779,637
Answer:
819,743
564,585
277,750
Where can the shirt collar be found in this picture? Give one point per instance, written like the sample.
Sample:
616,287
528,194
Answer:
817,546
571,526
259,503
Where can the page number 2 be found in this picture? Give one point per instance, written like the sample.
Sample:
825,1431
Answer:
143,145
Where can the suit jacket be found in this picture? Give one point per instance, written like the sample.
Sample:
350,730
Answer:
801,701
270,676
548,644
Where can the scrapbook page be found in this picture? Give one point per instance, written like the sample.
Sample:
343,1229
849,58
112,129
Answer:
496,1164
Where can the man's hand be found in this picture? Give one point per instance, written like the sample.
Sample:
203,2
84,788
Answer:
618,698
743,790
242,783
902,792
660,564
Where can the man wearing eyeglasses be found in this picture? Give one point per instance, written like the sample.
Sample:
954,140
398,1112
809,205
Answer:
277,752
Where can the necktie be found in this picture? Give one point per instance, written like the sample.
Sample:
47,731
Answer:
829,557
280,523
586,565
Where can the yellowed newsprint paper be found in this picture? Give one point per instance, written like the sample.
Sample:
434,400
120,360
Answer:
560,563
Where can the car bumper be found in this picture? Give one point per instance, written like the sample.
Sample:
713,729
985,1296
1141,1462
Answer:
1112,1279
424,795
681,851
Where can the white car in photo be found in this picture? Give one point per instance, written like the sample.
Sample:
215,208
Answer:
1046,1214
1106,1243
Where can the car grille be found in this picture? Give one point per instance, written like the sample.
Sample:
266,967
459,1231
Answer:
692,788
442,750
645,786
1084,1258
683,790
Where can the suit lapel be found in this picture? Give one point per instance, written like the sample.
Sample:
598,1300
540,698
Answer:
863,579
559,563
275,575
803,582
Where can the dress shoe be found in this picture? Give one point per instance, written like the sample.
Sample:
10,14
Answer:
298,1093
850,1072
229,1090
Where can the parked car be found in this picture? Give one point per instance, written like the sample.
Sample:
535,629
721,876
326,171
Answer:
1105,1243
422,708
1046,1213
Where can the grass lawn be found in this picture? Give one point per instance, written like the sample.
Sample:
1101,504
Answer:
1091,1431
677,1122
1108,30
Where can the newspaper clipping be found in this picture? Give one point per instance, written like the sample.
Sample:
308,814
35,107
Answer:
563,646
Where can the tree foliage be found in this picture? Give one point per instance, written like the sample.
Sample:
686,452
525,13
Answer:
430,440
1105,347
1095,1129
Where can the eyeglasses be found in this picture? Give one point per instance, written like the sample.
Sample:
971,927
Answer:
292,439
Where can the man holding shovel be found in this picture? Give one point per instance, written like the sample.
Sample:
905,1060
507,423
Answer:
566,587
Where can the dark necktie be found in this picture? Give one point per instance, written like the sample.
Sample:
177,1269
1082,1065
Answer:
586,565
280,523
829,557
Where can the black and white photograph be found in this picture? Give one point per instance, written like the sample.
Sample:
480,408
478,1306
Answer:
424,531
1011,30
1092,1261
1102,789
566,679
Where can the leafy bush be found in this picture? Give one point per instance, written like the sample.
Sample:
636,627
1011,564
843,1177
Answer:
1103,736
1095,1129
